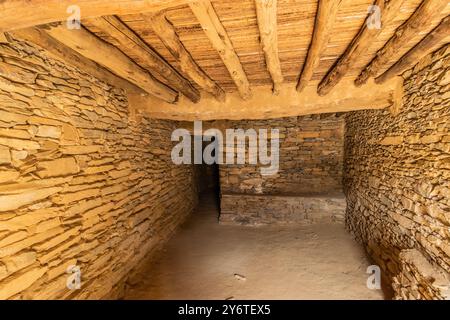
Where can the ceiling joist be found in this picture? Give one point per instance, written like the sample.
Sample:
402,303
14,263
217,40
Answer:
213,28
359,45
61,52
3,38
325,18
91,47
265,105
420,19
18,14
120,32
168,36
266,13
424,47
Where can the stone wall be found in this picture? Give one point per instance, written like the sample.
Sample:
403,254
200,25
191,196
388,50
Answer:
397,172
419,279
81,183
307,186
248,209
311,158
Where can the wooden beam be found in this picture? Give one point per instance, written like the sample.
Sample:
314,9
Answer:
424,47
265,105
266,12
18,14
420,19
325,18
166,33
126,37
216,33
359,45
91,47
3,38
61,52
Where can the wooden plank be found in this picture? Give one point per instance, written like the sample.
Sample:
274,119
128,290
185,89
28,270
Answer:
422,18
126,37
359,45
424,47
91,47
266,12
325,18
61,52
18,14
168,36
265,105
211,25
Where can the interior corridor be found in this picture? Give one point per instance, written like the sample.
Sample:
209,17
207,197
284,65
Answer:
208,260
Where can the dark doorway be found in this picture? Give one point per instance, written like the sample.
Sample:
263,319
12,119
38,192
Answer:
208,179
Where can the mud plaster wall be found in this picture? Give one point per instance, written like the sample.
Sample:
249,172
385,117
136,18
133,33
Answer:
397,182
80,182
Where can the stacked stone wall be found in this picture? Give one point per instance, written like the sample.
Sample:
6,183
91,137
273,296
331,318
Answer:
397,174
81,183
308,184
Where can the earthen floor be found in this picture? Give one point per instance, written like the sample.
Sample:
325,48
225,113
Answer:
206,260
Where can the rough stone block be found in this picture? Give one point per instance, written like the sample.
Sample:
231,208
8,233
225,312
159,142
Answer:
58,167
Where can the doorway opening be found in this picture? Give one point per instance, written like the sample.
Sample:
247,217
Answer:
208,179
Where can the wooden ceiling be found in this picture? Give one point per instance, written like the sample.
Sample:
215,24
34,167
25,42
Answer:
295,26
291,36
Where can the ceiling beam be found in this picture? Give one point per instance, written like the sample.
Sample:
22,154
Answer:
113,27
91,47
266,13
3,38
168,36
424,47
18,14
211,25
421,19
265,105
359,45
325,18
61,52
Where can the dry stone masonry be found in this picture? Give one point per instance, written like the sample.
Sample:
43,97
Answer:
85,182
248,209
308,184
81,182
397,182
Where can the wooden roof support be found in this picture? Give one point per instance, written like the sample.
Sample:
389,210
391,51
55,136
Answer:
359,45
424,47
66,54
325,18
266,12
166,33
91,47
18,14
265,105
3,38
420,19
216,33
126,37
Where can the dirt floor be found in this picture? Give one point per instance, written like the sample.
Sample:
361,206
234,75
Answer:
206,260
